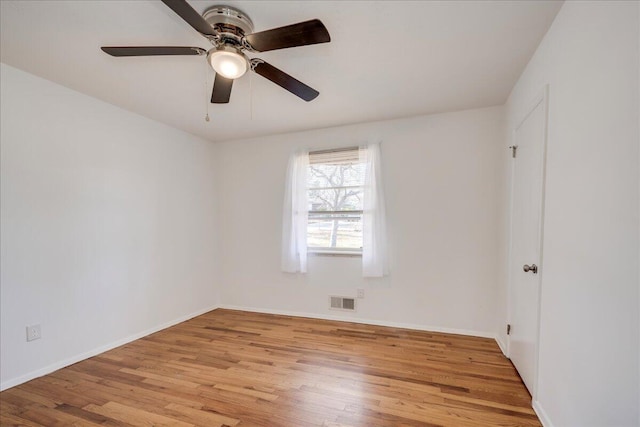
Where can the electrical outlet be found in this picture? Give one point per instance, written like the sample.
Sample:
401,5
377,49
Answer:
360,293
33,332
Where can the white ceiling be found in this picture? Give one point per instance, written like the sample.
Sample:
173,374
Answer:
385,59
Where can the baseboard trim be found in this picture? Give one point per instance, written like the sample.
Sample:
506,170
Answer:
77,358
502,345
542,415
412,326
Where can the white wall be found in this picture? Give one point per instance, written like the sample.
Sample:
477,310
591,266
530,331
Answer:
588,366
107,223
442,179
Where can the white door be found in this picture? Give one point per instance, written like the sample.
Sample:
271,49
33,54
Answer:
526,241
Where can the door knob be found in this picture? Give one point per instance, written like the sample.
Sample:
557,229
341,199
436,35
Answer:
530,268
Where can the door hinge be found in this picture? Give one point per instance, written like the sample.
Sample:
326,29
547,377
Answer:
514,148
508,329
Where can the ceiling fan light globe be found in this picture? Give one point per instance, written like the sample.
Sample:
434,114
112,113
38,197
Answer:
228,64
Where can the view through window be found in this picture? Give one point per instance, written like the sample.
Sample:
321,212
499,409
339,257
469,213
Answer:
335,180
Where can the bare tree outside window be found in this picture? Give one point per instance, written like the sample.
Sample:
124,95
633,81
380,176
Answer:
335,202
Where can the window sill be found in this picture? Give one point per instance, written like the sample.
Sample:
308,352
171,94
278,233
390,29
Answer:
334,253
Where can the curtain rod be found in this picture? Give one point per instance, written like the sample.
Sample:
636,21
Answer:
334,150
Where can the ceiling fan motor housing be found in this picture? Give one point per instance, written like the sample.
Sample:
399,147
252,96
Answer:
231,23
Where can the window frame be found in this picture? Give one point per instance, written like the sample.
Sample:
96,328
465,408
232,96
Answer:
329,251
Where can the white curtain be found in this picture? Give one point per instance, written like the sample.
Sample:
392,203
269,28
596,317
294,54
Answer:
295,215
374,217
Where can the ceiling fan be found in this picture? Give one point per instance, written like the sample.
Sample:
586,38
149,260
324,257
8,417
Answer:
230,32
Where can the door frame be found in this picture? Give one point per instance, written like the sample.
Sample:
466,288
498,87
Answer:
541,98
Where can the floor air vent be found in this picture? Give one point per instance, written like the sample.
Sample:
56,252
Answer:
342,303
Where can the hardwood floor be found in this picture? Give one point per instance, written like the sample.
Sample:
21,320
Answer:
234,368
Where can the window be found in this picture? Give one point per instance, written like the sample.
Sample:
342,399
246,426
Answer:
335,181
334,203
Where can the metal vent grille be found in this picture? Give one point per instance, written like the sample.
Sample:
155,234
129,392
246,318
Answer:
342,303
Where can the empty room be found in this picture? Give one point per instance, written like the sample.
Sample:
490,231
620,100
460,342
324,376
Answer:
319,213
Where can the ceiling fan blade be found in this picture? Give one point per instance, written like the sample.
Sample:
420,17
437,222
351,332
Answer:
193,18
221,90
152,50
300,34
285,81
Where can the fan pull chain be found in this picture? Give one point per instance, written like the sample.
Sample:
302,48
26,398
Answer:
250,96
206,90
